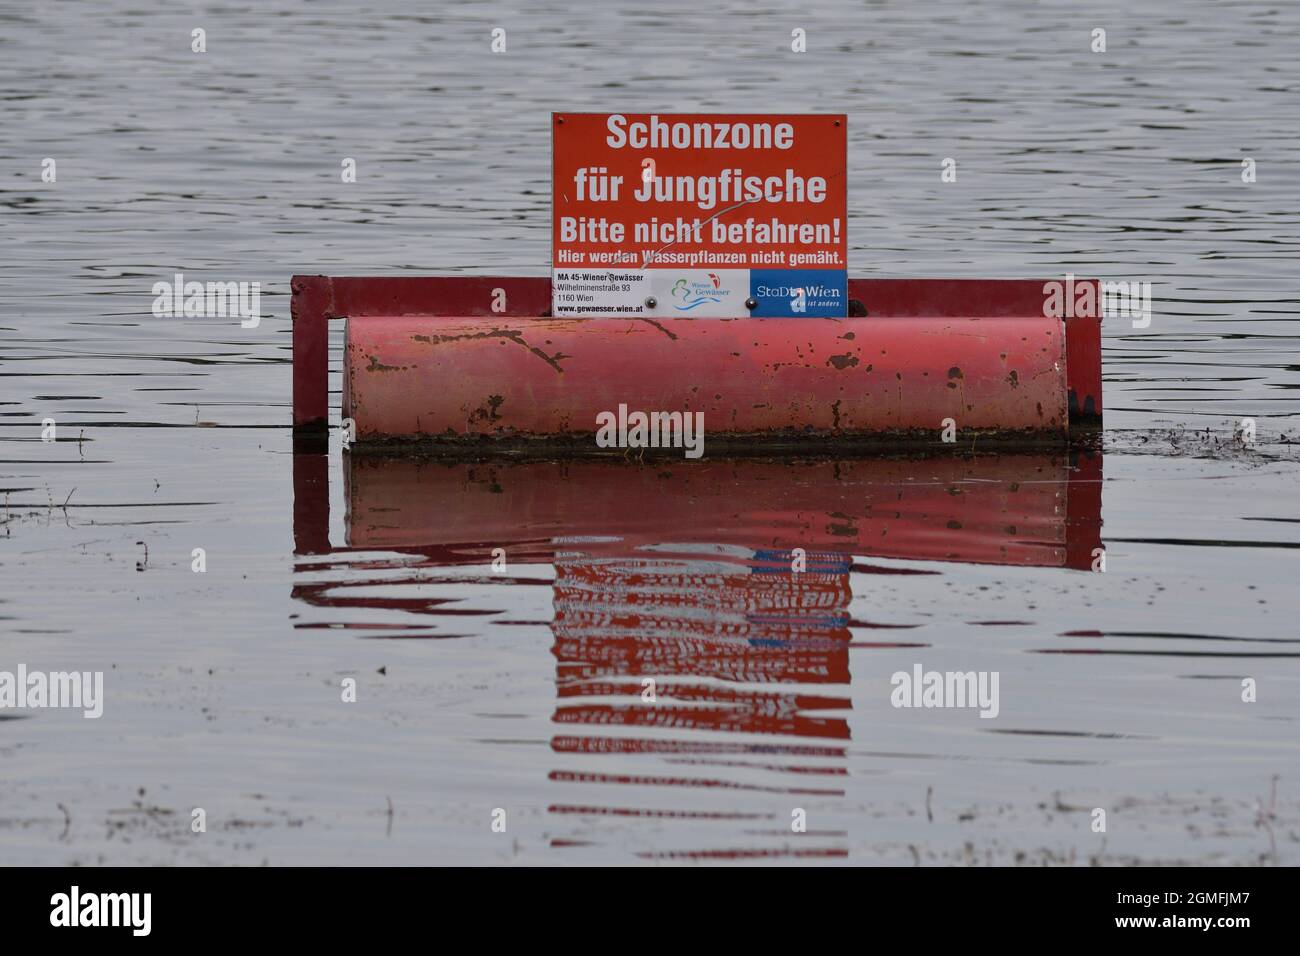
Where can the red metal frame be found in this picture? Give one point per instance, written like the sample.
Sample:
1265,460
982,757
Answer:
317,299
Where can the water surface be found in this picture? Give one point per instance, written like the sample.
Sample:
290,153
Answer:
523,690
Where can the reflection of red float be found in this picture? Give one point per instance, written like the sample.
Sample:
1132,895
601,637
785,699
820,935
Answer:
1025,509
428,358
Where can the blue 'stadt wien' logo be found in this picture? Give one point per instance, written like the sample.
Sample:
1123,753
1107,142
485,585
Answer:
799,292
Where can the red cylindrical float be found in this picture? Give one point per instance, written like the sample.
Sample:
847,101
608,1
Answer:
450,378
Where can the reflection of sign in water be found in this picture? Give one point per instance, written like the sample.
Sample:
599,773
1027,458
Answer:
728,645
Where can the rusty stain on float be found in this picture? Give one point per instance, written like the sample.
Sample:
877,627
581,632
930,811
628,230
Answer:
749,377
427,360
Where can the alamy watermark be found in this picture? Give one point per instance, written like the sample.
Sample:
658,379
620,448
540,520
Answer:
78,690
1119,299
654,430
210,300
75,908
922,688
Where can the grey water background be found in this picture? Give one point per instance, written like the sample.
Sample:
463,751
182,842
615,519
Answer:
223,688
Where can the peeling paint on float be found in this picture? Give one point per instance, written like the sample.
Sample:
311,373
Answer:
423,377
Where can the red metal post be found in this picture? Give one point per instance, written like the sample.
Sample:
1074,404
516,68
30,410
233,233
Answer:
310,309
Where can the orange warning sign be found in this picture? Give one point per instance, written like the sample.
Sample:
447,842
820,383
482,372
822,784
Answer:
695,191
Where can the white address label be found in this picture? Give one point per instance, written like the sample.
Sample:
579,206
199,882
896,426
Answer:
599,292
